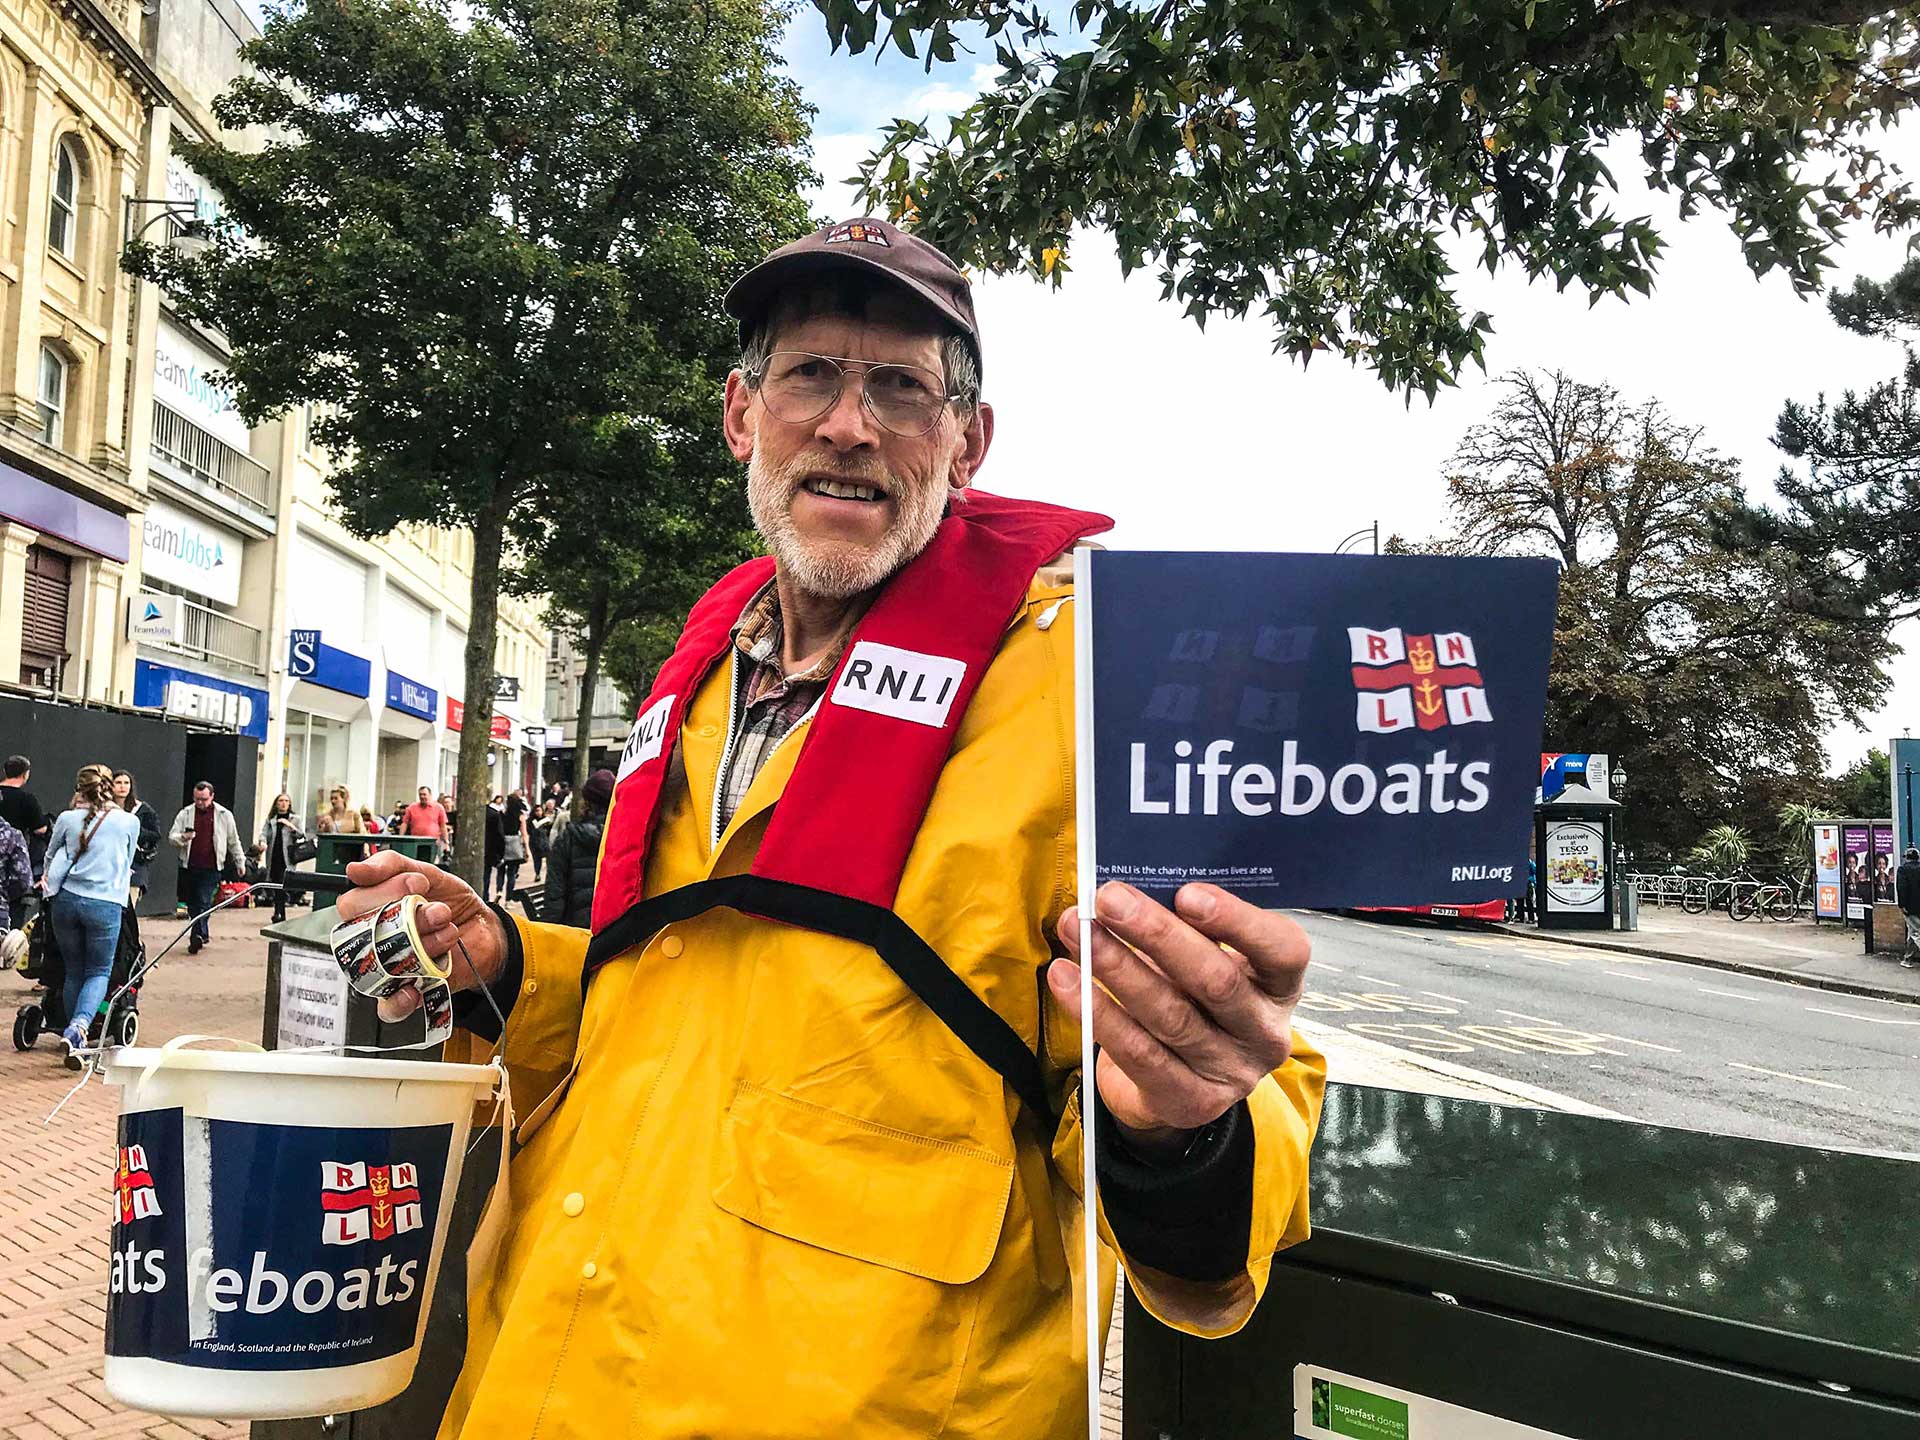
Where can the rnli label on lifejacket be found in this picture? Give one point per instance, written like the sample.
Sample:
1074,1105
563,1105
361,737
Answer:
906,684
1318,730
270,1247
647,738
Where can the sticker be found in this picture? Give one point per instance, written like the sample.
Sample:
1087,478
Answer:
904,684
647,738
382,954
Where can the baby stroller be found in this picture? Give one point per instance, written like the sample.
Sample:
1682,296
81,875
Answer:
118,1021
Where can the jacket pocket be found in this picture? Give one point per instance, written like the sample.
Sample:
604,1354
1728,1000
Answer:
923,1207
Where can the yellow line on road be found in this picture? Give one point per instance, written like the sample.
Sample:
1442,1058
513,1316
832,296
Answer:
1788,1075
1850,1015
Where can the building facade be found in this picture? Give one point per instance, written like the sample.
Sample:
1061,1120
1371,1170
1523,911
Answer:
607,727
156,552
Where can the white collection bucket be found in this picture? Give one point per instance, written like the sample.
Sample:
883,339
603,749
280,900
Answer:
278,1223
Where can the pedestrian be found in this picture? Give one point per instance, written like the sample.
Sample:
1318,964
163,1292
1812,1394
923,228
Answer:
540,836
370,822
208,839
513,843
16,878
149,846
278,846
1907,891
568,899
89,867
887,1214
341,818
20,809
428,817
495,848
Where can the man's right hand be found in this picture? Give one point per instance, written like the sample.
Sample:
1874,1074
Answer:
452,913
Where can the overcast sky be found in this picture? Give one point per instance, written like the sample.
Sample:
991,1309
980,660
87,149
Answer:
1110,400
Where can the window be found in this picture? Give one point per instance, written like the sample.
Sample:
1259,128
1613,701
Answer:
43,629
53,395
62,223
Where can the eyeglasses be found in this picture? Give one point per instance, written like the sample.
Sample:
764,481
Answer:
796,387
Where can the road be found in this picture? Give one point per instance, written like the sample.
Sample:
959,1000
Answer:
1655,1040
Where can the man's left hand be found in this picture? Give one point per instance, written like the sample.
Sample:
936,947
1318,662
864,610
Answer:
1191,1006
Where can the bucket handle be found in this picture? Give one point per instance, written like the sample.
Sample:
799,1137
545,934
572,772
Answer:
189,1042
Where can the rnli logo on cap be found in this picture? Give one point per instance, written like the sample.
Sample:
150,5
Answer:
1403,682
647,738
857,234
904,684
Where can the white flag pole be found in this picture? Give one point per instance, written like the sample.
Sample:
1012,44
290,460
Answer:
1083,792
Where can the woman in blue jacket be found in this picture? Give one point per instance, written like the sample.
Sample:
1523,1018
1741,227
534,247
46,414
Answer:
89,866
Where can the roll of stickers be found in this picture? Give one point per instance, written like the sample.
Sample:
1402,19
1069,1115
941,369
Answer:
381,954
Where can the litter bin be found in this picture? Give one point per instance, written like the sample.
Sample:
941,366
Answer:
1630,904
336,851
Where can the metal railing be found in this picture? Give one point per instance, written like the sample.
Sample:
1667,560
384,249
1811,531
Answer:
210,635
186,447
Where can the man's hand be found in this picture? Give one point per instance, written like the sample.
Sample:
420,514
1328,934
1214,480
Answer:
1186,1025
452,912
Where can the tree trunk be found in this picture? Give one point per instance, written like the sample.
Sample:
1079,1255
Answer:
476,728
583,712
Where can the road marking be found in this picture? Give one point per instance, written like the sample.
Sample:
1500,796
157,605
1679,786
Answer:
1550,959
1850,1015
1531,1019
1728,994
1450,999
1625,975
1643,1044
1330,969
1376,980
1788,1075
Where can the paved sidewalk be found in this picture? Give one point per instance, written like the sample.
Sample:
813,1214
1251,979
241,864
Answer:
1823,956
57,1184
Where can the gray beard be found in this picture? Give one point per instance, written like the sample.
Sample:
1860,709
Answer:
836,570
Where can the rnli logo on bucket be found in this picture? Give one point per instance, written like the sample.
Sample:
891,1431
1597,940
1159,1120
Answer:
235,1259
133,1186
1415,682
368,1202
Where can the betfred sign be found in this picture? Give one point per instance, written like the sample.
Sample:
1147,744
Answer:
501,729
1315,730
456,713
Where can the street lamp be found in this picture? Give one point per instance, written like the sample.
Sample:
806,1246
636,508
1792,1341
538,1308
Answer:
1363,533
193,238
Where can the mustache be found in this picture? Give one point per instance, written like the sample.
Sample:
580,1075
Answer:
851,469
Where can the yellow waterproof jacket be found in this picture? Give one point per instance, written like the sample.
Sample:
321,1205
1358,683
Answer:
765,1192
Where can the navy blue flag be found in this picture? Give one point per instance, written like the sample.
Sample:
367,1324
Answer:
1317,730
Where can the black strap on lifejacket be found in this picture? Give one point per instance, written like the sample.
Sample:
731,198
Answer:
978,1026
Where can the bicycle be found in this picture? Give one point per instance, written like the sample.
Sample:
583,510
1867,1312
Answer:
1774,901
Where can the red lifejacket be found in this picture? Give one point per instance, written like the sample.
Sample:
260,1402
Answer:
838,840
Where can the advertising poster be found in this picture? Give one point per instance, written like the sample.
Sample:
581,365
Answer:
1856,869
1826,872
187,551
1884,868
1314,729
1574,866
1328,1405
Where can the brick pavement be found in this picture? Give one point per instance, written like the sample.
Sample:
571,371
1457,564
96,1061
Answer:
56,1189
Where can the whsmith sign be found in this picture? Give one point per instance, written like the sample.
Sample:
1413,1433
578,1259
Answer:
1316,730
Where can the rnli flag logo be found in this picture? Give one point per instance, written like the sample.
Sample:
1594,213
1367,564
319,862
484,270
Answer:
133,1185
1415,682
858,233
367,1202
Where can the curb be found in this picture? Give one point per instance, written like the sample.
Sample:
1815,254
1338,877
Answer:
1830,983
1533,1096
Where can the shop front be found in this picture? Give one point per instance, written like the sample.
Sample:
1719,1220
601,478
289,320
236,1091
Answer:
328,725
407,751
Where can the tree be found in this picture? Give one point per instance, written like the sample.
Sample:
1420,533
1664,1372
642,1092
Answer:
1691,666
1852,514
464,237
654,514
1310,161
1865,788
1723,849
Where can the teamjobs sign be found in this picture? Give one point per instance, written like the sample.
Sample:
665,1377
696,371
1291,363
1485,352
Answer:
1315,730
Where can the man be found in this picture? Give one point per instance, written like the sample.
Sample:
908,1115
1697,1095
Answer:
426,816
208,839
809,1101
1907,892
20,809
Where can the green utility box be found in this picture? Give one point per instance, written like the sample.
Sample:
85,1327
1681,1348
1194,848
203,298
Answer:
1495,1273
338,851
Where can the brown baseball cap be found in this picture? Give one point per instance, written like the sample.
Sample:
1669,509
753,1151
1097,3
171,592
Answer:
875,246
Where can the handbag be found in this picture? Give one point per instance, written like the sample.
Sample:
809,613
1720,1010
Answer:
302,850
515,852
